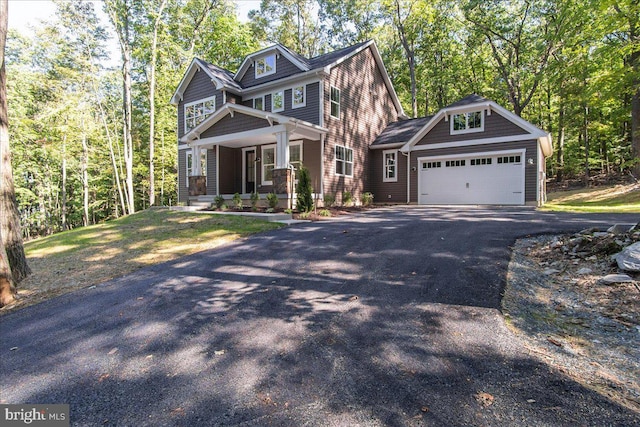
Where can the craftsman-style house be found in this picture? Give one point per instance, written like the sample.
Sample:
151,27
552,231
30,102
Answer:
339,116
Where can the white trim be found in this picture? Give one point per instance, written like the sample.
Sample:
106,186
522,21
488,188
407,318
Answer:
262,164
186,162
183,147
304,96
297,142
409,176
254,103
217,169
250,59
467,129
266,88
199,101
264,58
273,109
331,102
467,155
244,168
389,145
335,159
321,97
322,146
239,136
471,142
385,166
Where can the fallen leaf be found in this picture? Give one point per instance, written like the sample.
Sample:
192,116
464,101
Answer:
485,399
424,409
531,401
353,298
103,377
218,352
177,411
13,348
114,350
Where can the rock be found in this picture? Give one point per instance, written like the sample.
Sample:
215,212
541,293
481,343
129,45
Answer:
611,279
620,228
550,271
600,234
629,258
584,270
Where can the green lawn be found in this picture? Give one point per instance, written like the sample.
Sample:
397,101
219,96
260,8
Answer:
619,198
90,255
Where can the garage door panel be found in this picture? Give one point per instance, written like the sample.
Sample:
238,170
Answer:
494,183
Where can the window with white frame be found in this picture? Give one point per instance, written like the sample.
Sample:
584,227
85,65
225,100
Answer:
268,163
277,101
265,66
335,102
389,158
203,160
258,103
295,154
467,122
298,96
344,161
196,112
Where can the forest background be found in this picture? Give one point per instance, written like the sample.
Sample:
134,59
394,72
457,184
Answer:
94,137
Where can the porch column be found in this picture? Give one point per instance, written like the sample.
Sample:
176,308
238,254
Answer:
281,172
197,182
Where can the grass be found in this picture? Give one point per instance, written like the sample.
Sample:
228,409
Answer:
90,255
612,199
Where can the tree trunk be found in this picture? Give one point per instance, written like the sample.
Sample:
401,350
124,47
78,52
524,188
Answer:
560,148
63,189
152,105
585,139
411,60
10,230
7,288
85,177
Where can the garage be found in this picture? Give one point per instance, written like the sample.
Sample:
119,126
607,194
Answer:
491,178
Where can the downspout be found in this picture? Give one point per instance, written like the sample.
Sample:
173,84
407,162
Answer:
408,156
322,137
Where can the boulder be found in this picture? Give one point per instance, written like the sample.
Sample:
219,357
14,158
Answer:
611,279
629,258
620,228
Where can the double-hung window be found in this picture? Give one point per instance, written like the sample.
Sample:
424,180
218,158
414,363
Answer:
344,161
265,66
258,103
196,112
277,101
298,96
295,154
268,163
335,102
389,158
467,122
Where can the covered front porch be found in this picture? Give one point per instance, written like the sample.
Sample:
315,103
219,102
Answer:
242,150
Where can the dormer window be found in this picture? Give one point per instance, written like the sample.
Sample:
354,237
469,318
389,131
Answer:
265,66
467,122
196,112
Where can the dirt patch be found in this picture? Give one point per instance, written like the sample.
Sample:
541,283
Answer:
555,299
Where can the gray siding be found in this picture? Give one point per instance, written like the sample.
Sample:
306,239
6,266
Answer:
284,68
366,108
530,174
211,171
183,191
199,87
388,192
494,126
238,123
230,166
311,151
309,113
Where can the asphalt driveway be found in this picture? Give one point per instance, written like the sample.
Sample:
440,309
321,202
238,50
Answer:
390,317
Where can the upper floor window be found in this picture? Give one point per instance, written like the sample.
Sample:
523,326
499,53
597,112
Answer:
298,96
335,102
390,166
265,65
344,161
277,101
196,112
258,103
467,122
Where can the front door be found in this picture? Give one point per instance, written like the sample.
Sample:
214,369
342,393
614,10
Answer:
250,171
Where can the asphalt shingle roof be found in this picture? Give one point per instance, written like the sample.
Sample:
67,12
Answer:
468,100
401,131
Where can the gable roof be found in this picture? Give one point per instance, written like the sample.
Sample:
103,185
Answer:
220,77
296,59
474,102
398,133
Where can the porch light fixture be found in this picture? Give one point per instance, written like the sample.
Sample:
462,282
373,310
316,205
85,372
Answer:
529,161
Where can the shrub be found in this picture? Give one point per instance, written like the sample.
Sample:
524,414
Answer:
270,210
219,201
272,200
367,199
255,198
288,211
324,212
305,215
329,200
237,201
347,198
304,190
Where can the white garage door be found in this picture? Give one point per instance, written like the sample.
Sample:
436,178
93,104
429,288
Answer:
487,178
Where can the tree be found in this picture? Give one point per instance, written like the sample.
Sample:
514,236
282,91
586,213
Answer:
10,231
304,190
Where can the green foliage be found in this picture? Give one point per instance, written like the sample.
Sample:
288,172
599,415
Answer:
237,201
272,200
218,201
304,190
367,199
347,198
324,212
304,215
329,199
255,198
